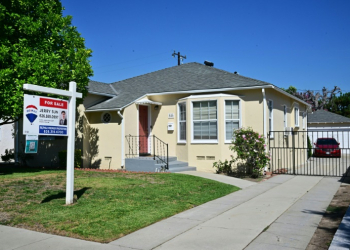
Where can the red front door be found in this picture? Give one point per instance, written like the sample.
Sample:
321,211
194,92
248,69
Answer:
143,129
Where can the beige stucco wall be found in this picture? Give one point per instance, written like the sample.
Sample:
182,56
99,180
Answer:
200,155
102,143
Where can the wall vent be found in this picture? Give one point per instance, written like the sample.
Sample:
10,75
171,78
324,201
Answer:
211,158
201,158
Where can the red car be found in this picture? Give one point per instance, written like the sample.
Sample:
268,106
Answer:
328,147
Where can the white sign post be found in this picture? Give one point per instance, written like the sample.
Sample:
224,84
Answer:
72,94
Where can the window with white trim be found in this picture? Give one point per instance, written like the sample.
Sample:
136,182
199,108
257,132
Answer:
285,116
304,120
232,118
271,118
182,122
205,121
296,116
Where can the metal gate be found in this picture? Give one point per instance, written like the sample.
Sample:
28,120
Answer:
308,152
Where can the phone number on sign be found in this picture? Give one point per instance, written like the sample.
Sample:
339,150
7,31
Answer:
52,130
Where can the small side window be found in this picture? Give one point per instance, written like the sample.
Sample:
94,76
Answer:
296,116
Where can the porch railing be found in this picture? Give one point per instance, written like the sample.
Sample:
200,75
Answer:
148,146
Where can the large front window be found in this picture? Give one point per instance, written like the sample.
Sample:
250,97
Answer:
205,121
231,118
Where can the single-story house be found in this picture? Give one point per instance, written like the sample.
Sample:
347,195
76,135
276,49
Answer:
322,123
193,108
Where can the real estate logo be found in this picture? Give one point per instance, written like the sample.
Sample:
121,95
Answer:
31,113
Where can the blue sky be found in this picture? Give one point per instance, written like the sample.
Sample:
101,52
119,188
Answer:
301,43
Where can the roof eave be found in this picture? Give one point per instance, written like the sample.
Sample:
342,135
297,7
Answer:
291,96
99,110
101,94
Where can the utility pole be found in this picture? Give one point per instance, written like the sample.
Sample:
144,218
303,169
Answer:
178,57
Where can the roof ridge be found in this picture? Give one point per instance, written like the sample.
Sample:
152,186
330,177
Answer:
238,75
134,77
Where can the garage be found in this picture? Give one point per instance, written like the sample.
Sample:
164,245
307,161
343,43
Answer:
325,124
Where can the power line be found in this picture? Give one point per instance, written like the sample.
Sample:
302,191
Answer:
133,66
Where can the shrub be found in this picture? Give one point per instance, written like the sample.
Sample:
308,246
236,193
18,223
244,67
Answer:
224,167
8,156
309,147
250,148
62,156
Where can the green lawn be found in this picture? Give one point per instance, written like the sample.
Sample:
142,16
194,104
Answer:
109,205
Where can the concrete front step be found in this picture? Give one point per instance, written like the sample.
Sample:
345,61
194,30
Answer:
147,164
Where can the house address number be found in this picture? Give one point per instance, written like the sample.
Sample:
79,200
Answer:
171,116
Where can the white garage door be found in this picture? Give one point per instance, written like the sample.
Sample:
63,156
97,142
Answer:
341,134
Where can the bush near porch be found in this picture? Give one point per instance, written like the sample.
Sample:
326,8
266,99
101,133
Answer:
249,154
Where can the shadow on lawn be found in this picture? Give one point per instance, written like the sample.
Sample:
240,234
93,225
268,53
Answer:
8,170
62,195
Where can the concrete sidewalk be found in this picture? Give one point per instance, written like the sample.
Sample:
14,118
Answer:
221,178
236,220
280,213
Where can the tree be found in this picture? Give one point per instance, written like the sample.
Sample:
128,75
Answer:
340,104
291,90
316,99
38,46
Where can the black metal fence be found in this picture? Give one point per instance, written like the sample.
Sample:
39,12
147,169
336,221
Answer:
297,152
148,146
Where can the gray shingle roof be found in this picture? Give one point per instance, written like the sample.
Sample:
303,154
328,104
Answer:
100,87
186,77
323,116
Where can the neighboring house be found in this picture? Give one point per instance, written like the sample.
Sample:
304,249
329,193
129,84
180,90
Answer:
322,123
193,108
7,140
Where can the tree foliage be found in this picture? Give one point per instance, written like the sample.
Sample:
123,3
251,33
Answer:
318,100
340,105
38,46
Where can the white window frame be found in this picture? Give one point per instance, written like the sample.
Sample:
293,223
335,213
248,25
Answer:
304,120
270,117
296,116
239,119
209,141
179,121
285,116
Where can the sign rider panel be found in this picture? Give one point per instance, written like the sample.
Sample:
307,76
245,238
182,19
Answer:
45,116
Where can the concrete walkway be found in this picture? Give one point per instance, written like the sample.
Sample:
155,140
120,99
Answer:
280,213
222,178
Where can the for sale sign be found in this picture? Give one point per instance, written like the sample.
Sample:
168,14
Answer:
44,116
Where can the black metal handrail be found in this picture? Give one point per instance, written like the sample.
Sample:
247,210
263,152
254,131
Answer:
143,146
161,151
